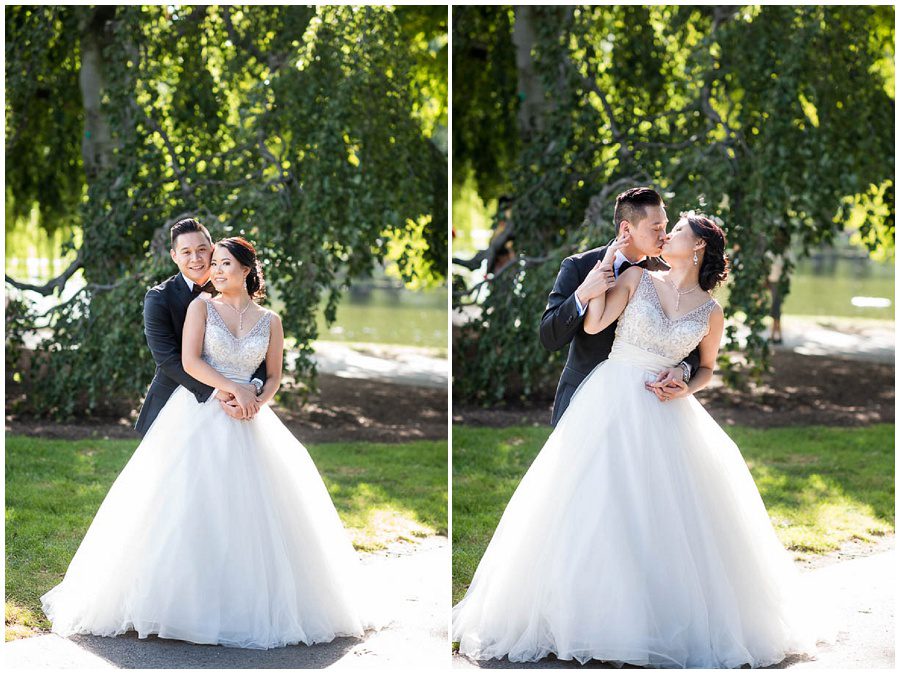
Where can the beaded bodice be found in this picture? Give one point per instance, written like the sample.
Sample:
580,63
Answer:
235,357
645,325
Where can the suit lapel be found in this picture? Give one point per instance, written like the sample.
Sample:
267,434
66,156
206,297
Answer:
181,295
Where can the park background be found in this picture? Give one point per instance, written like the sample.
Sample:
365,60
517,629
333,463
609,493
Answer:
779,120
319,133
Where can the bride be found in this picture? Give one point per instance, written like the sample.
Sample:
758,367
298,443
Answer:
218,530
637,535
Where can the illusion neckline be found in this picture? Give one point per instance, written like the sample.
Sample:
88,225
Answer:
659,305
225,325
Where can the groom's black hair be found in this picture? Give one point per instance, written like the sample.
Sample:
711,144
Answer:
186,225
631,203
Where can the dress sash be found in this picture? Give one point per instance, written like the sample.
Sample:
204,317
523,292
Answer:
629,353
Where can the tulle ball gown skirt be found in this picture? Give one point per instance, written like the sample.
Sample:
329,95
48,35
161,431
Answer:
217,531
637,536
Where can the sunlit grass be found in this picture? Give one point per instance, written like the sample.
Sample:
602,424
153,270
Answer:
822,486
384,493
22,621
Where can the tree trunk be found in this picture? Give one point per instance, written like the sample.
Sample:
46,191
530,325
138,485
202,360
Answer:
532,101
96,144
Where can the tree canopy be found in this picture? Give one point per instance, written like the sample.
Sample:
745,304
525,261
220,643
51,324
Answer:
317,132
777,119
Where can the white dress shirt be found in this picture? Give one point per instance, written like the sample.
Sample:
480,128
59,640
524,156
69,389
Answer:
190,284
617,263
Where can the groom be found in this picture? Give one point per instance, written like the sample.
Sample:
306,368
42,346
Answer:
165,307
641,212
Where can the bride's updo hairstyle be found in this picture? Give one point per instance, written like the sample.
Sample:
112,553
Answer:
714,268
244,252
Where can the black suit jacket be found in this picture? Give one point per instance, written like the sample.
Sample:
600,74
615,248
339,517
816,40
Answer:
165,307
561,325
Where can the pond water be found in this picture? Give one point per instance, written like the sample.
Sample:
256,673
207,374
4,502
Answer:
842,287
390,316
838,286
822,285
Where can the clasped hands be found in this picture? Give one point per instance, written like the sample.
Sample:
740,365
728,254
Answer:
669,385
243,405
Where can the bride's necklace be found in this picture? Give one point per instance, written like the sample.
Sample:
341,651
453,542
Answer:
239,312
679,293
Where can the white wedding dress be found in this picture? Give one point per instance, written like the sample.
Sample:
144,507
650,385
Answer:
637,535
217,531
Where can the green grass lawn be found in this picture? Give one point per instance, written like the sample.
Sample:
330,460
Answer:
383,493
822,486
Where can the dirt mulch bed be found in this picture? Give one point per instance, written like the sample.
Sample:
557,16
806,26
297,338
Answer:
344,410
801,391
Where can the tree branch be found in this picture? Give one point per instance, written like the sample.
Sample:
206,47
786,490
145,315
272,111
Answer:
284,179
153,124
599,202
521,263
159,242
58,283
669,146
238,40
590,84
90,286
721,14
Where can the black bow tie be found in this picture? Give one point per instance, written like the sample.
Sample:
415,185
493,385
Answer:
626,264
208,288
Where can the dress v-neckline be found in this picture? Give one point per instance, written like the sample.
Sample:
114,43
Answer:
659,302
225,325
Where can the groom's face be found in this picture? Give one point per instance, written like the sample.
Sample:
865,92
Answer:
648,233
191,253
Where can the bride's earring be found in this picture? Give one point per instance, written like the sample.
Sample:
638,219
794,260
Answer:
695,258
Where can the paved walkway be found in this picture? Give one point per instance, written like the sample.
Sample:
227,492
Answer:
810,335
864,599
862,592
826,336
415,577
393,364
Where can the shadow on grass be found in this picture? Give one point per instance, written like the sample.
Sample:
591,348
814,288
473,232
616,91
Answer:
386,492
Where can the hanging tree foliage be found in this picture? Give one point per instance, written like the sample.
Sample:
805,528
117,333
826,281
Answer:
311,130
777,119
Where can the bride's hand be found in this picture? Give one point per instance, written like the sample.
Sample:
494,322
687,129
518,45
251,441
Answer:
245,396
622,241
669,385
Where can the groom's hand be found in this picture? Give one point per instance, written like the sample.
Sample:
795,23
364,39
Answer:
596,283
228,403
669,385
232,409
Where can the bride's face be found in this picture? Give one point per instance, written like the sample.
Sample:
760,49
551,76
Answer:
226,273
681,241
